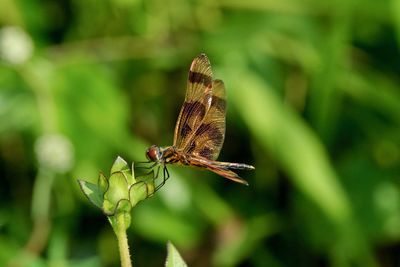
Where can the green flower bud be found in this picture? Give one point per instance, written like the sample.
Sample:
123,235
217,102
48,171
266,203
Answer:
120,192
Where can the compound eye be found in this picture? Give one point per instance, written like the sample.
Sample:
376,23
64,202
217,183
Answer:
153,153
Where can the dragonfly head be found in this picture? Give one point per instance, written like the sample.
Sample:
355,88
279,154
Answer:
154,153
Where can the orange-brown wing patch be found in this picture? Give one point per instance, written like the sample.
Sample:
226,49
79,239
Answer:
207,140
197,101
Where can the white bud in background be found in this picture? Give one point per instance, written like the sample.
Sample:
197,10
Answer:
16,46
55,153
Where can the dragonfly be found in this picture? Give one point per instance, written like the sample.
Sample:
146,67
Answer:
200,128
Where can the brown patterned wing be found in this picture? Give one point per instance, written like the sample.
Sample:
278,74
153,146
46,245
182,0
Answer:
208,137
197,101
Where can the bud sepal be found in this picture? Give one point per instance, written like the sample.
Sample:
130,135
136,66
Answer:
119,193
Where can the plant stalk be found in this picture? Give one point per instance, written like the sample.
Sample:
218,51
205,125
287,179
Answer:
123,241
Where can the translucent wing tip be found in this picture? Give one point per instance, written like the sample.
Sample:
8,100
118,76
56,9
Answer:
202,55
200,60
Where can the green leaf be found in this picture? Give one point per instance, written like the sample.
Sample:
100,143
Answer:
150,188
292,142
108,207
174,259
102,183
395,9
137,192
128,176
117,190
131,174
92,192
119,165
124,207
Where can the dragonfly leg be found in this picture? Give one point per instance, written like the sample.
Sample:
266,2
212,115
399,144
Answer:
144,171
155,176
165,178
145,162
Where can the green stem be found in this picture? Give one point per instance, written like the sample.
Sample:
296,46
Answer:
41,198
123,241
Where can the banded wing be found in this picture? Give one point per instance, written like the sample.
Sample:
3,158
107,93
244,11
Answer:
197,101
200,129
208,137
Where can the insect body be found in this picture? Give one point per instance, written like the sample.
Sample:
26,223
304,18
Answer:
200,129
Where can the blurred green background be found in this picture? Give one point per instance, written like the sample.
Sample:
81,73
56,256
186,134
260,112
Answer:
313,104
